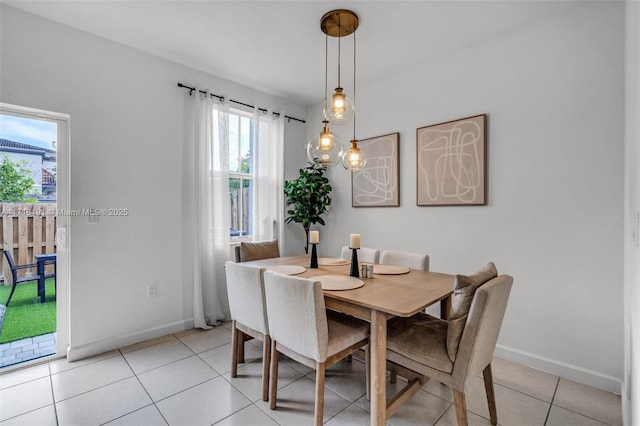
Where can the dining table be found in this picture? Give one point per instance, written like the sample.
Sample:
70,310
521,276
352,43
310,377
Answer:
402,293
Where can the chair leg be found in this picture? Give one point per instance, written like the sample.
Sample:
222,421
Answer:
241,340
235,336
273,376
319,408
393,376
461,407
367,368
266,365
491,396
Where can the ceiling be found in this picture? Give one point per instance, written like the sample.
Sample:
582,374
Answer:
277,47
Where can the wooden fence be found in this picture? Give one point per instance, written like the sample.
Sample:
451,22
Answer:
236,220
27,229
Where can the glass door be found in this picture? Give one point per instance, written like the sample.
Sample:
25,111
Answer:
34,266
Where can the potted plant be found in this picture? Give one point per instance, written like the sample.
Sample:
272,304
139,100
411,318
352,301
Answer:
309,197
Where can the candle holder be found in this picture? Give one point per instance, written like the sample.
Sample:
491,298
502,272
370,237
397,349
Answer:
354,263
314,256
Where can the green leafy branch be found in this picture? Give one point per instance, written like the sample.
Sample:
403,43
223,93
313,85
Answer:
308,196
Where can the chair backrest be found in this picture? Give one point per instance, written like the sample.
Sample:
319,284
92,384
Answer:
297,315
408,260
367,255
247,251
481,330
245,289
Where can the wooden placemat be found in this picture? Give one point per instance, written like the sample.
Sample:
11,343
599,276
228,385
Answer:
287,269
390,270
332,261
339,282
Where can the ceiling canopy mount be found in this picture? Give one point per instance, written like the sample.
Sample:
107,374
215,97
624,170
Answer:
339,23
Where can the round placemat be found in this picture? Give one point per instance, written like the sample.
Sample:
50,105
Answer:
332,261
390,270
287,269
338,282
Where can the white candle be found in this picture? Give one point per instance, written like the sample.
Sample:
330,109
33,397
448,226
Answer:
314,237
354,241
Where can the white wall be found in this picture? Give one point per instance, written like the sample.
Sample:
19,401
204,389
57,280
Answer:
630,394
553,93
126,152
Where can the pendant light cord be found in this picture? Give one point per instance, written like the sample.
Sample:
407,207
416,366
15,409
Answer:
354,84
339,37
326,67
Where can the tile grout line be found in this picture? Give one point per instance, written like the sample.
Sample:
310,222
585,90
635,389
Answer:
551,405
145,391
341,411
53,397
529,395
553,397
53,403
445,411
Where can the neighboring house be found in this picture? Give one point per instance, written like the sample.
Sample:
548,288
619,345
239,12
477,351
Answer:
42,161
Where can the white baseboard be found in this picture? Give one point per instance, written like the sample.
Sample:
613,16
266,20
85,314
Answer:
558,368
75,353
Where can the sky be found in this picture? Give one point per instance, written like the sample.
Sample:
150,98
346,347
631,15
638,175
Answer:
26,130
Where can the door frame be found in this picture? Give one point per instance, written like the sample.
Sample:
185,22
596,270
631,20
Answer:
63,203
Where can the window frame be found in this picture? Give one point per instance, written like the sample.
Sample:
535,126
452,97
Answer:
240,175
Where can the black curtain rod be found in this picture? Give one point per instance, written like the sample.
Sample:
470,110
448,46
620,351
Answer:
221,98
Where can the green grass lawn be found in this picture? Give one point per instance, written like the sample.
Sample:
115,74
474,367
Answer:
25,315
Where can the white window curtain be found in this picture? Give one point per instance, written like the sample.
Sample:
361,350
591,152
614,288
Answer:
212,207
268,195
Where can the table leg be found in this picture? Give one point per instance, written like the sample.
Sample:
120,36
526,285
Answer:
40,269
378,349
445,308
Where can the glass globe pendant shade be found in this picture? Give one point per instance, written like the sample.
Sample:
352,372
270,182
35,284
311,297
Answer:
339,109
354,159
325,148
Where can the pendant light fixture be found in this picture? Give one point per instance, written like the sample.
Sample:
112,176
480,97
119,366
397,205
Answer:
340,108
354,159
326,147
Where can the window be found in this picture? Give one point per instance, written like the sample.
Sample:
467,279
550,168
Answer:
241,139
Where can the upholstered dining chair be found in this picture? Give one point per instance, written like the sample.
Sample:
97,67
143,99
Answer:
367,255
248,251
245,289
302,329
409,260
455,351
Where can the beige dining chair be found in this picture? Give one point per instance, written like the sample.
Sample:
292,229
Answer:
302,329
366,255
455,351
409,260
248,251
245,289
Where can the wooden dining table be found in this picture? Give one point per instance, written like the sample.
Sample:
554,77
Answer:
378,300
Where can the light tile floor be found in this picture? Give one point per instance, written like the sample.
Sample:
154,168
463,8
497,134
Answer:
183,379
